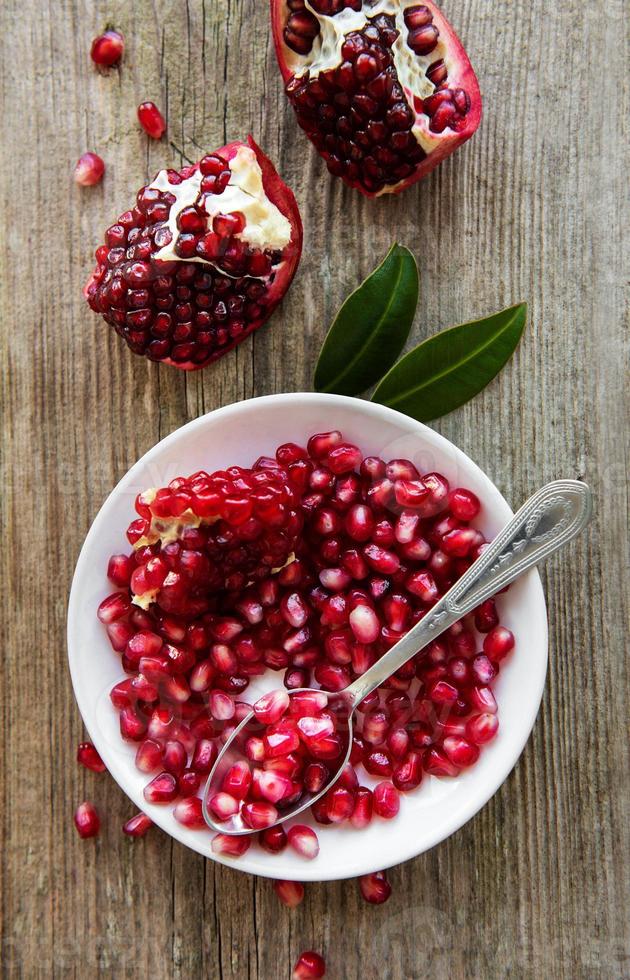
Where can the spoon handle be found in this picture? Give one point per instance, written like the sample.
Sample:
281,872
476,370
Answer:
548,520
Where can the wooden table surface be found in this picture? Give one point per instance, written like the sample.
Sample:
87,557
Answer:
533,208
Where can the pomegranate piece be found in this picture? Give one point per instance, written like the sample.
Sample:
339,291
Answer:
107,49
89,169
88,756
179,285
290,893
310,966
87,820
151,120
384,93
230,846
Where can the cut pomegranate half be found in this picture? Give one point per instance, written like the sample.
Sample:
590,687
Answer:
383,88
201,260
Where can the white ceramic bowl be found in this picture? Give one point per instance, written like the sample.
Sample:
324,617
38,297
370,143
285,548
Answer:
239,434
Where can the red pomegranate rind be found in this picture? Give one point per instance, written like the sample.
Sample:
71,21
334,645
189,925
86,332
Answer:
390,137
214,287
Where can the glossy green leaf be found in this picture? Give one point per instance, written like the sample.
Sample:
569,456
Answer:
452,367
371,328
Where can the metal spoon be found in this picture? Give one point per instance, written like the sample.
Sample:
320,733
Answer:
548,520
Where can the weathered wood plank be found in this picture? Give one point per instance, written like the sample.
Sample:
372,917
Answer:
532,208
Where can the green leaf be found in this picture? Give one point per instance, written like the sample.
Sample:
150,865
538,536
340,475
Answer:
452,367
371,328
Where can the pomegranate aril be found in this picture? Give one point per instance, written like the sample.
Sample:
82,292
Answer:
460,752
498,643
290,893
482,699
237,780
151,120
229,846
436,763
309,966
162,789
138,825
304,841
188,782
364,624
87,820
273,839
482,728
315,778
375,725
386,800
273,786
204,756
89,169
88,756
270,708
375,888
259,815
407,774
149,756
323,443
175,757
463,504
113,607
132,726
377,762
189,813
107,49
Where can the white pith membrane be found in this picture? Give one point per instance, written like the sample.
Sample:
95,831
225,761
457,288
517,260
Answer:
169,529
266,227
410,67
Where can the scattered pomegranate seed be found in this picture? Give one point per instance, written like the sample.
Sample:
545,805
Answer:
375,887
137,826
303,840
310,966
87,820
89,169
89,757
107,49
151,120
290,893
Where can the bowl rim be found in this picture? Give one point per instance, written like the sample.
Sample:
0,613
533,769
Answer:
248,863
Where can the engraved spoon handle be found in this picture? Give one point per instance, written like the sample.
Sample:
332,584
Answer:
548,520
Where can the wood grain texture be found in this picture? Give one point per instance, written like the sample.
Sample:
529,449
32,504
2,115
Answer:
535,207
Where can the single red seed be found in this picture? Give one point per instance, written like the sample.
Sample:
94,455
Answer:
151,120
303,840
89,169
87,820
375,887
273,839
482,728
290,893
88,756
107,49
137,826
310,966
386,800
189,813
229,846
498,643
463,504
161,789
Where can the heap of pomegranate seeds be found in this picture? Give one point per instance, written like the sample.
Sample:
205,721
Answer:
314,562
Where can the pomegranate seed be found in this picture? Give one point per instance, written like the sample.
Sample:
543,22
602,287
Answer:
161,789
273,786
375,887
407,774
463,504
323,443
361,816
307,703
280,740
237,780
137,826
132,727
259,815
483,670
270,708
378,763
460,752
88,756
365,624
89,170
119,569
339,804
204,756
189,813
398,742
498,643
482,699
422,584
223,805
482,728
310,966
436,763
230,846
303,840
107,49
149,756
375,725
315,777
443,693
386,800
113,607
290,893
273,839
221,706
188,782
175,757
87,820
151,120
486,617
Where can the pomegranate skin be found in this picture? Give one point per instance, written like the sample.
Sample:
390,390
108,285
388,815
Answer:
163,309
444,119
